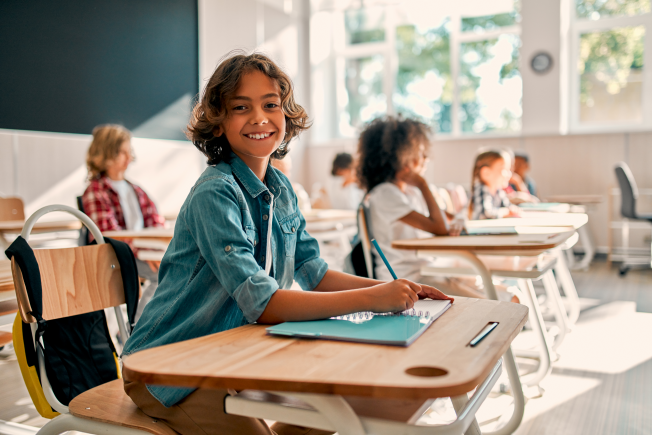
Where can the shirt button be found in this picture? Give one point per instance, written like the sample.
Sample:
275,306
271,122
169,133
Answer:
228,248
293,229
262,258
265,217
266,197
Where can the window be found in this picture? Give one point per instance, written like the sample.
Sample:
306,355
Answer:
608,89
455,66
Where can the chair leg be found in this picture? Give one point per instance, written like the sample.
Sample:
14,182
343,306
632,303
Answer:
459,402
67,422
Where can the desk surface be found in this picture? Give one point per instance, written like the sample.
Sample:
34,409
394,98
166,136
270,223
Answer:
328,215
535,219
519,244
164,234
40,227
576,199
247,358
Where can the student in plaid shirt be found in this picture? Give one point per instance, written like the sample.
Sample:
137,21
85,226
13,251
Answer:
114,203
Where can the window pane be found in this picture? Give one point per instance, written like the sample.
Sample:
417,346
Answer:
364,25
596,9
490,85
491,22
611,75
423,84
364,98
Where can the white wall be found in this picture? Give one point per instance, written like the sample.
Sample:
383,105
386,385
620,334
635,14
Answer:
50,169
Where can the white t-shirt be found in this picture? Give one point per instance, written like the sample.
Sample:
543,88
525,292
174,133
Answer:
129,203
388,204
344,197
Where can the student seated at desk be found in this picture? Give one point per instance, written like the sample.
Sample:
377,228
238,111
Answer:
239,242
521,181
343,190
114,203
490,177
393,160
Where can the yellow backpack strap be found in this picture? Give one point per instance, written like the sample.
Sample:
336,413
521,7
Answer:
27,361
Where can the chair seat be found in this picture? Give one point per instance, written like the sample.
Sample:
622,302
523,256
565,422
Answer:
109,403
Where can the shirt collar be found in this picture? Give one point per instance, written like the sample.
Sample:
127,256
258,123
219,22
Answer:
249,180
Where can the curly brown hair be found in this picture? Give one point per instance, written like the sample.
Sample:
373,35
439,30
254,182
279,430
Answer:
211,110
106,144
384,147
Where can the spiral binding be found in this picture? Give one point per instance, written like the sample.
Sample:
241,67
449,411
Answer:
368,315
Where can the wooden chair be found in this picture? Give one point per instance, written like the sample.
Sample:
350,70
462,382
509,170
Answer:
68,292
12,209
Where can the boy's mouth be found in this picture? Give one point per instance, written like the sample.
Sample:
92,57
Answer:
259,136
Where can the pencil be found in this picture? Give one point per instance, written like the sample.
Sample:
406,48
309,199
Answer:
380,252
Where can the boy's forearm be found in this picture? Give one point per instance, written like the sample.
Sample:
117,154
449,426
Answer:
334,281
296,306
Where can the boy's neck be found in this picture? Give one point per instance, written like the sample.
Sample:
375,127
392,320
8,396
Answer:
492,189
401,185
258,165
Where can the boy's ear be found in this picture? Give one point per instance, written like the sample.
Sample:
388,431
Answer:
217,131
483,172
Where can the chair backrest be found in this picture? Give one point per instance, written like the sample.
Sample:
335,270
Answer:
628,190
74,281
365,240
12,209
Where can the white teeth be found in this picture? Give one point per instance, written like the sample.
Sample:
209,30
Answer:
258,136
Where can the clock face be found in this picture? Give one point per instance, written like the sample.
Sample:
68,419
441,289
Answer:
541,62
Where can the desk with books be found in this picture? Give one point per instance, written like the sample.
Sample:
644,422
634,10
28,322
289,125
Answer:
336,381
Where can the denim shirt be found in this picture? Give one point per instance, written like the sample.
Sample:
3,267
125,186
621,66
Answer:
212,276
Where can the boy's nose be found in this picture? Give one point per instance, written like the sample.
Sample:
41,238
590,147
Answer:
258,117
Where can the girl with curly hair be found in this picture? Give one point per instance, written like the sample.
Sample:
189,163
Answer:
240,241
393,158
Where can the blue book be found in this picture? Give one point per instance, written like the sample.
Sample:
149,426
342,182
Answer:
399,329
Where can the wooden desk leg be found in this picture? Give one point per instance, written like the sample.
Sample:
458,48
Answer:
508,358
539,328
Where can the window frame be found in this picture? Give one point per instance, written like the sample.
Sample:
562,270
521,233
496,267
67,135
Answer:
579,26
387,49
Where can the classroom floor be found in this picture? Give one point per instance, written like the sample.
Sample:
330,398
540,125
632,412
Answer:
602,383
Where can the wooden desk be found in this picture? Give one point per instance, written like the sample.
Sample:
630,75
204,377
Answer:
15,227
517,245
162,234
328,215
576,199
437,364
535,219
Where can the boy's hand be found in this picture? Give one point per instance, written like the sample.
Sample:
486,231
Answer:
432,293
392,296
514,211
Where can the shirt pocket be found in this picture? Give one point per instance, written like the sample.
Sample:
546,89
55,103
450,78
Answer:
290,226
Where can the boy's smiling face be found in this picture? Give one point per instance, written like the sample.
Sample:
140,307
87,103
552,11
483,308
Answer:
255,125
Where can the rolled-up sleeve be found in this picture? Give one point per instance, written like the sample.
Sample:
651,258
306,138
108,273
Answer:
214,220
309,269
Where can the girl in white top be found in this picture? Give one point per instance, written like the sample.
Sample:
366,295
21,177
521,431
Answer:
392,163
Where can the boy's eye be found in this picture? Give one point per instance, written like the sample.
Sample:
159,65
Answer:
239,108
271,105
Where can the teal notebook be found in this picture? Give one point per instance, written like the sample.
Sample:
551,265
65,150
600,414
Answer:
399,329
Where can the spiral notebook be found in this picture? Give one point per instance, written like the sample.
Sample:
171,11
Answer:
399,329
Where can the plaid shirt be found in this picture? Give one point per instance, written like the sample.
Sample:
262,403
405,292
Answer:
486,205
102,205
